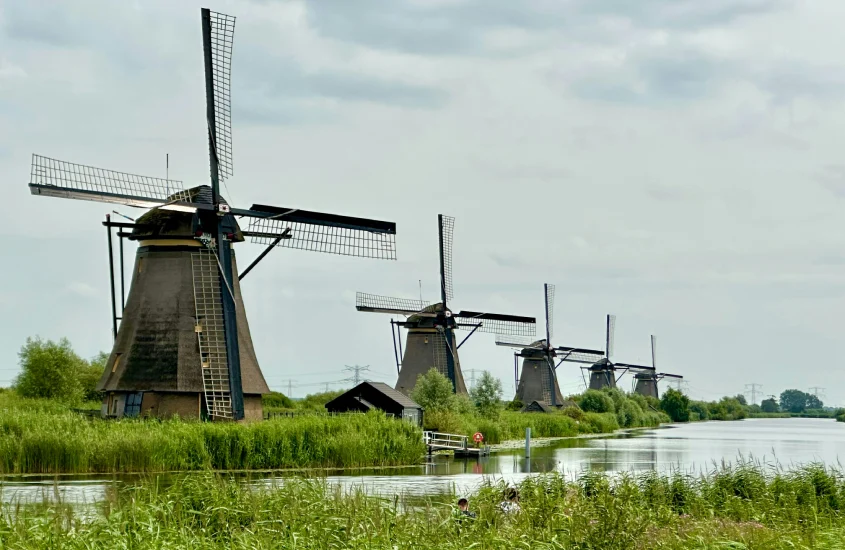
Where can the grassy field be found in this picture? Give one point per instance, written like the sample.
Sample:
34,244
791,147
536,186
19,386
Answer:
733,508
41,436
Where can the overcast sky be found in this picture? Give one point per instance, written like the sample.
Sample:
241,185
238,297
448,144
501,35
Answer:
675,162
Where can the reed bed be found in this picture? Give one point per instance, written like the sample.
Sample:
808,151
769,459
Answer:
42,437
741,507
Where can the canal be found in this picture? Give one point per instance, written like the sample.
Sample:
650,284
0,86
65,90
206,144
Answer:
692,448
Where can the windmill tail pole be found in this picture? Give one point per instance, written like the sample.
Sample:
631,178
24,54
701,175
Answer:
111,278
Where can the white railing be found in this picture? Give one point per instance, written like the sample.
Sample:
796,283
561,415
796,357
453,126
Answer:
438,440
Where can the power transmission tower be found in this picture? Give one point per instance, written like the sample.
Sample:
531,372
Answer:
472,377
753,388
327,386
817,390
680,384
356,373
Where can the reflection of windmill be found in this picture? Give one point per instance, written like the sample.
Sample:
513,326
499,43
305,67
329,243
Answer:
184,345
431,341
646,379
538,381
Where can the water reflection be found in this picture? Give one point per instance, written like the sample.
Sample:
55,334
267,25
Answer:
691,448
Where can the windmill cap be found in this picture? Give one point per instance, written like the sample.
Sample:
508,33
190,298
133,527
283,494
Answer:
171,224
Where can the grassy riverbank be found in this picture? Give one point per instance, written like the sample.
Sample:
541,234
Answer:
42,436
738,508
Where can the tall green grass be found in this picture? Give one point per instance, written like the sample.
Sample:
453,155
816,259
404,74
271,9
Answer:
736,508
44,437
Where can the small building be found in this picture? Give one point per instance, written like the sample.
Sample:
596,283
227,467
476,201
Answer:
538,406
542,406
377,395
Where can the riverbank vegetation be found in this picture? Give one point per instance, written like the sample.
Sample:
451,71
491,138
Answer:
45,436
742,507
484,411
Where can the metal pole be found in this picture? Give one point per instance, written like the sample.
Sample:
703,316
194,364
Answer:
261,256
527,442
111,279
395,354
122,282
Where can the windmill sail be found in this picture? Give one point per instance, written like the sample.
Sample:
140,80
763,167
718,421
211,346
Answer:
57,178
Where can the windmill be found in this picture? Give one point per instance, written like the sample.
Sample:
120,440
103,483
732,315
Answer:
538,381
431,341
184,345
603,372
646,379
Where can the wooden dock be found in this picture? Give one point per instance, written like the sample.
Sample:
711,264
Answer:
458,444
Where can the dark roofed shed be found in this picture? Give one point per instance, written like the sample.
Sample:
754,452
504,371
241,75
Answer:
377,395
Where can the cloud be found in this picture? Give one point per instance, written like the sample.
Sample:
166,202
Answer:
832,178
463,27
82,289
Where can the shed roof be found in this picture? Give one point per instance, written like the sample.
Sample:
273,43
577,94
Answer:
392,394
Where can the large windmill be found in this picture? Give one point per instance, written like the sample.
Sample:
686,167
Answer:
184,345
431,341
538,381
647,379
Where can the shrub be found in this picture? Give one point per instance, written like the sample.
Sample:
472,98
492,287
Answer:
574,413
596,401
50,370
433,391
676,405
487,395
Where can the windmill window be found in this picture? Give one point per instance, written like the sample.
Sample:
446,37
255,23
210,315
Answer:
140,265
133,404
116,362
114,404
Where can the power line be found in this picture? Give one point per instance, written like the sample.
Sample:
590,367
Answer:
753,388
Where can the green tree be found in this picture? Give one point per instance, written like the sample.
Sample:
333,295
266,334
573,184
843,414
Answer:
769,406
49,369
90,374
596,401
814,402
433,391
487,395
741,398
794,401
676,405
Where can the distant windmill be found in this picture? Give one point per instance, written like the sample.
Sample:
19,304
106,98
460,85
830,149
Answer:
646,380
184,345
538,380
431,341
604,373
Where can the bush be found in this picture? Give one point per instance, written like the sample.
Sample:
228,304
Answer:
596,401
277,400
433,391
50,370
574,413
515,405
676,405
487,395
316,402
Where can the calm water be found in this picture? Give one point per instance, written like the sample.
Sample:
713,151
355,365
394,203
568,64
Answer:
692,448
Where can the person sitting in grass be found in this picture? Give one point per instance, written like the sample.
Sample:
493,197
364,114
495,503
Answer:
511,503
463,508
